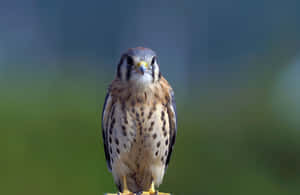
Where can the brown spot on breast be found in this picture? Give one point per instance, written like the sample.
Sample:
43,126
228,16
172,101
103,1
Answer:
158,144
167,142
150,129
162,115
152,123
156,153
154,136
139,100
150,114
165,134
126,121
118,151
117,141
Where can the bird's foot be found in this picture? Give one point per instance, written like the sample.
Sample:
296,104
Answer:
152,191
125,189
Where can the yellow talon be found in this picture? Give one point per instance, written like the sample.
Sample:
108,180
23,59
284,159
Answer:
152,188
150,192
125,188
153,192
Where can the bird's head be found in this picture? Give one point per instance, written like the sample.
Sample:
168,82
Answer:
139,66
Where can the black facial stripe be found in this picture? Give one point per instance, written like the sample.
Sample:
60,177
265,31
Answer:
129,60
128,73
119,67
153,72
153,60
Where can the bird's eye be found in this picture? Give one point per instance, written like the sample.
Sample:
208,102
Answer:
129,60
153,60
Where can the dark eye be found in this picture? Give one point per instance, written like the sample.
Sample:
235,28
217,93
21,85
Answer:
129,60
153,60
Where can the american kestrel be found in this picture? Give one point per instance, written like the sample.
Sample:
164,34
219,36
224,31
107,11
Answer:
138,123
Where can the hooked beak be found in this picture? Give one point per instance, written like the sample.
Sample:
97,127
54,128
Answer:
141,67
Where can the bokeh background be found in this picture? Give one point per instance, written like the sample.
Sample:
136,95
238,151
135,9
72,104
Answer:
234,66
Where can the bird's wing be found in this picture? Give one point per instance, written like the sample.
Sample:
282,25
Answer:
171,108
105,119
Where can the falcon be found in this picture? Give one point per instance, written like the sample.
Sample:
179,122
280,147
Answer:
138,123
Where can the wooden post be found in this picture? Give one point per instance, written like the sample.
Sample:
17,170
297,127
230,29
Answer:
144,193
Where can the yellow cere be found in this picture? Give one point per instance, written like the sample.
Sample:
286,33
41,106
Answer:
143,64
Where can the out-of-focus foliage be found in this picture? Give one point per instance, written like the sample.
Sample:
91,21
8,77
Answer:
234,144
234,67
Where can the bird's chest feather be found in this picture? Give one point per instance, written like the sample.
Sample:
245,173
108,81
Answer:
140,131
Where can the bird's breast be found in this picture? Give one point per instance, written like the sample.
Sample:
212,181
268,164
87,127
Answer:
140,133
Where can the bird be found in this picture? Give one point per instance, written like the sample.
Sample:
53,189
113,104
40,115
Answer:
139,124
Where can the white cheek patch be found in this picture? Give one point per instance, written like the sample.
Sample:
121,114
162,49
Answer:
156,72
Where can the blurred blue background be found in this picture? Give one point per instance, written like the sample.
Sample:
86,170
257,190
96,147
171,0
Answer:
234,66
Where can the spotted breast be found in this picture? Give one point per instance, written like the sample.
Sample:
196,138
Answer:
139,135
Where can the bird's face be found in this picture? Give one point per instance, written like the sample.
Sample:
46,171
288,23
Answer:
139,66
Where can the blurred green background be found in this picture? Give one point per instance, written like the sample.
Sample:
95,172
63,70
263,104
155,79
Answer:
234,67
